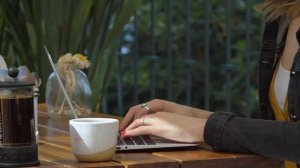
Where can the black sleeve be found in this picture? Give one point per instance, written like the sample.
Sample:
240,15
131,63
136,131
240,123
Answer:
229,133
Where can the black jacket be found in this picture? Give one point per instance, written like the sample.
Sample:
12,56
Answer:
281,140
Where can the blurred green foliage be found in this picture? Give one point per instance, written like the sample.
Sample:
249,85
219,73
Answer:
218,37
91,27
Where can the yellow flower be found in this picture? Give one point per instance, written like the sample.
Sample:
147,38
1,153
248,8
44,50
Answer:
68,59
81,61
81,57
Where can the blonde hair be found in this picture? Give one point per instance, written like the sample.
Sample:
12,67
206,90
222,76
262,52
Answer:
275,8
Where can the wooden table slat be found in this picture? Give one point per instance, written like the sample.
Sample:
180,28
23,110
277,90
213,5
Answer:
144,160
203,158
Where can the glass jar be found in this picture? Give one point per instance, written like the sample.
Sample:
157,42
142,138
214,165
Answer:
78,89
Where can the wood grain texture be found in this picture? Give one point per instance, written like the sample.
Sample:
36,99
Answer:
203,158
144,160
55,151
55,155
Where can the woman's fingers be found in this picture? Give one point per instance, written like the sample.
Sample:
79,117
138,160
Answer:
141,126
171,126
142,130
134,112
140,110
143,121
150,107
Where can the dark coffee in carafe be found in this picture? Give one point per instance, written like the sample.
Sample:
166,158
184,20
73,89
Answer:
18,147
17,121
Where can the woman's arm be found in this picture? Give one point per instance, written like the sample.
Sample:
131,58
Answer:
222,131
229,133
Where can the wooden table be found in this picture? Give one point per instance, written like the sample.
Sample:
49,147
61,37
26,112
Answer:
55,151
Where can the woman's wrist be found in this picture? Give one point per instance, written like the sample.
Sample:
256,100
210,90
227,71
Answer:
199,113
199,129
203,123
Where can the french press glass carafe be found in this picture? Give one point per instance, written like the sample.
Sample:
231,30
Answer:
18,145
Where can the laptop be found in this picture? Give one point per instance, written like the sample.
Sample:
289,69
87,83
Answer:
149,142
129,143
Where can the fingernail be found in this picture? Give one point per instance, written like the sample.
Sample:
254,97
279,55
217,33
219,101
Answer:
123,133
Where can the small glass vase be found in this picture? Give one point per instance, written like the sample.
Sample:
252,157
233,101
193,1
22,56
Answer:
78,89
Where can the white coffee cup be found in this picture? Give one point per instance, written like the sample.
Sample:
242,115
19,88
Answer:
93,139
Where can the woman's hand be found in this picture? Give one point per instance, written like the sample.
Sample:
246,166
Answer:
158,105
168,125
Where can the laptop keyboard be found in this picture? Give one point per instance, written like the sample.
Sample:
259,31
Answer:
136,140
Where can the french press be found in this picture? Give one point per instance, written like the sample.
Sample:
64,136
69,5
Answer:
18,145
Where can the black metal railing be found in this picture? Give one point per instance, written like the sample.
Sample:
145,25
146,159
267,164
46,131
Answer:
155,58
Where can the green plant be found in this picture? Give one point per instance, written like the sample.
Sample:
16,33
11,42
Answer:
90,27
243,100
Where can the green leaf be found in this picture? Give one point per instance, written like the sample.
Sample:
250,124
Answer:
90,27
